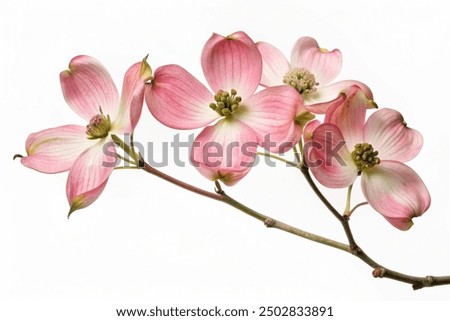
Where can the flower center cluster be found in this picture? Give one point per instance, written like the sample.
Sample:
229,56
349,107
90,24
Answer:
365,156
302,80
98,127
226,102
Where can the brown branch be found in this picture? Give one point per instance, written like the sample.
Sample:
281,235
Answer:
379,271
417,282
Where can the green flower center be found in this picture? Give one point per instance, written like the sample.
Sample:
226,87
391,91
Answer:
364,156
302,80
99,126
226,103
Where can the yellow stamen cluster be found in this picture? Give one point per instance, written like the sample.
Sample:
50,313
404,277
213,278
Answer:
226,102
364,156
302,80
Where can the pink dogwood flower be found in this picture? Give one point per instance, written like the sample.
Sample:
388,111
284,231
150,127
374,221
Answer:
88,152
346,146
310,71
240,118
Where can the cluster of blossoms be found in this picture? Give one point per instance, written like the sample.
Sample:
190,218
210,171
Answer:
255,93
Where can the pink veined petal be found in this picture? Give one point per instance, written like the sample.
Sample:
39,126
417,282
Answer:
271,113
132,97
395,191
87,87
275,65
308,131
350,115
386,130
89,174
232,62
224,151
178,100
327,93
329,159
324,64
322,108
288,142
55,150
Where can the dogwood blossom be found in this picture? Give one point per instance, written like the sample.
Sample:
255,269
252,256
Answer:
310,71
239,119
88,152
346,146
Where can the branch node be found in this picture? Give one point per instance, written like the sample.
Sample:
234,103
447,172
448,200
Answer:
269,222
417,286
304,168
355,249
379,272
428,281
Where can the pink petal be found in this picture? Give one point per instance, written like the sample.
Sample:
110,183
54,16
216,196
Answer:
178,100
232,62
350,115
275,65
225,151
89,174
329,159
309,129
87,87
322,108
386,130
291,138
271,114
132,97
324,64
396,192
327,93
228,177
55,150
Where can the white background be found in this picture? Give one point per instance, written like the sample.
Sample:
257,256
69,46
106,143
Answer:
145,242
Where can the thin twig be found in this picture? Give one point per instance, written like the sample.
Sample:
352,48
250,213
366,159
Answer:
356,206
281,159
221,196
351,240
